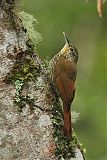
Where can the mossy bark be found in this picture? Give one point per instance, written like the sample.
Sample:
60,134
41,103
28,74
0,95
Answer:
28,104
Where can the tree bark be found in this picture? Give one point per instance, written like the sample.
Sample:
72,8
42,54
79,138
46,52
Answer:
27,101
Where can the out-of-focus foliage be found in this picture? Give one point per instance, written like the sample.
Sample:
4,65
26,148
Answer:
80,21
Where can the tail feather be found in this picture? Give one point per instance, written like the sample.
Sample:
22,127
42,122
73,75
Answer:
67,124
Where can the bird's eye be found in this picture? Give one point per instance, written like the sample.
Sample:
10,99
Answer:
72,49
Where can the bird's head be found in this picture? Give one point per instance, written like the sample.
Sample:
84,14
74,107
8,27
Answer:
69,51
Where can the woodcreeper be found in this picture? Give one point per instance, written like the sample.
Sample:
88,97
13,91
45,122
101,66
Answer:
64,70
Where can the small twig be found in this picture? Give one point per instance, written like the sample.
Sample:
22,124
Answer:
44,110
32,105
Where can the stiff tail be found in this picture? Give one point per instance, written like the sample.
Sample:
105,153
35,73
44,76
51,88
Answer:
67,124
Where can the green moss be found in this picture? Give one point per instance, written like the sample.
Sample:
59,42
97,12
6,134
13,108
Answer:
29,24
24,70
25,100
18,85
64,147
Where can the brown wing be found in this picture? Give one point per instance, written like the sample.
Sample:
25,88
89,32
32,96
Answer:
64,77
66,88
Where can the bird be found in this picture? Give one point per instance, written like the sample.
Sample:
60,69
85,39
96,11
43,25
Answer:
64,71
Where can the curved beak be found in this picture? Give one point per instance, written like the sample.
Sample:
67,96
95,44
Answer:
66,38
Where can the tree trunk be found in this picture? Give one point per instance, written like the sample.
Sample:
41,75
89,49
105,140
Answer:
30,113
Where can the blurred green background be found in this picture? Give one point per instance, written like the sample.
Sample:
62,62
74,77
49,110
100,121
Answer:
80,21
